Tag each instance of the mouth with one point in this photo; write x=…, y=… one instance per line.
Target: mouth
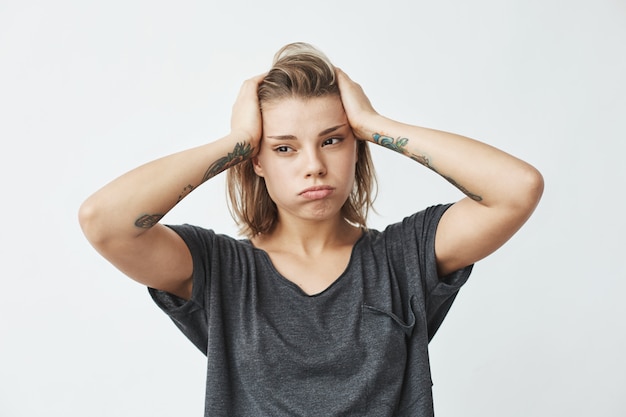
x=317, y=192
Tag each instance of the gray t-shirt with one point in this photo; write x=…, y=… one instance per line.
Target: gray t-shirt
x=359, y=348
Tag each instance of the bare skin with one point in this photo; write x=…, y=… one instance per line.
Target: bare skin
x=311, y=243
x=121, y=219
x=310, y=143
x=502, y=191
x=308, y=261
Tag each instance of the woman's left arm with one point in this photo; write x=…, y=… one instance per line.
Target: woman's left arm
x=501, y=190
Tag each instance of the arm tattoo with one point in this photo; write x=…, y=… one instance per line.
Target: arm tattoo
x=146, y=221
x=398, y=146
x=391, y=143
x=241, y=152
x=463, y=189
x=189, y=188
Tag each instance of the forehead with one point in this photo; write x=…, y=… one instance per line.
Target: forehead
x=297, y=115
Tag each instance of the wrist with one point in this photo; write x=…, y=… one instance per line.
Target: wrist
x=371, y=127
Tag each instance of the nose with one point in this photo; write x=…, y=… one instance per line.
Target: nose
x=315, y=166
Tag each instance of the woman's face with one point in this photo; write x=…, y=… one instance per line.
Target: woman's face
x=307, y=157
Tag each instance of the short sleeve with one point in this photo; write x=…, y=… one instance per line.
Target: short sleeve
x=439, y=292
x=190, y=315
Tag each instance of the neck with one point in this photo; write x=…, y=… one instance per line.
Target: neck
x=311, y=237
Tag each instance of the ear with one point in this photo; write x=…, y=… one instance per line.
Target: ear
x=257, y=166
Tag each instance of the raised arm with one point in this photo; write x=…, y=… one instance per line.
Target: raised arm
x=502, y=191
x=121, y=219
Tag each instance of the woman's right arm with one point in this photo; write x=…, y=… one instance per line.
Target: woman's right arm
x=121, y=220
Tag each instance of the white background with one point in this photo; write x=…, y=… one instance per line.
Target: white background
x=89, y=90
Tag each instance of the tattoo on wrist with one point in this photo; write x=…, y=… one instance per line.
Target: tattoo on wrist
x=399, y=144
x=146, y=221
x=189, y=188
x=391, y=143
x=240, y=152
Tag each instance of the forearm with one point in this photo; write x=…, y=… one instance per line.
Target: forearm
x=134, y=202
x=485, y=174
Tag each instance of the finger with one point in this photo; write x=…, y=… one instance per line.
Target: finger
x=251, y=85
x=257, y=79
x=341, y=76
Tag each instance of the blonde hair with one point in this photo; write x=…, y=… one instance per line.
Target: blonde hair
x=299, y=70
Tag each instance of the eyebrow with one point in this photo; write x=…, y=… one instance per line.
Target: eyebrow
x=322, y=133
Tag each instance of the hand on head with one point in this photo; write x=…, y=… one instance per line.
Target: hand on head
x=357, y=106
x=246, y=118
x=246, y=114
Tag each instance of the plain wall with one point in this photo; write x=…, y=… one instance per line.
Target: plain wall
x=89, y=90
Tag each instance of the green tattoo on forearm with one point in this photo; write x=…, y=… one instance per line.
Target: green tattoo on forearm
x=391, y=143
x=399, y=144
x=241, y=152
x=146, y=221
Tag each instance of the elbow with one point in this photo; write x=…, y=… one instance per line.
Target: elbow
x=535, y=185
x=90, y=221
x=530, y=186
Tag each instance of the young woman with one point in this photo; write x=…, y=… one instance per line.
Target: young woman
x=312, y=314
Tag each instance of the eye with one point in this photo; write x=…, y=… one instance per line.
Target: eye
x=331, y=141
x=283, y=149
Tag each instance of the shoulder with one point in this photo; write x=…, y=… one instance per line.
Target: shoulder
x=408, y=244
x=209, y=248
x=194, y=234
x=422, y=224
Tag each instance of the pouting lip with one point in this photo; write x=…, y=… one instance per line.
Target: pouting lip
x=317, y=188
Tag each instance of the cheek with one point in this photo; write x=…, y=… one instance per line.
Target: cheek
x=347, y=169
x=275, y=185
x=272, y=172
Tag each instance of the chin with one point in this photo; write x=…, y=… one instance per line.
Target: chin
x=323, y=210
